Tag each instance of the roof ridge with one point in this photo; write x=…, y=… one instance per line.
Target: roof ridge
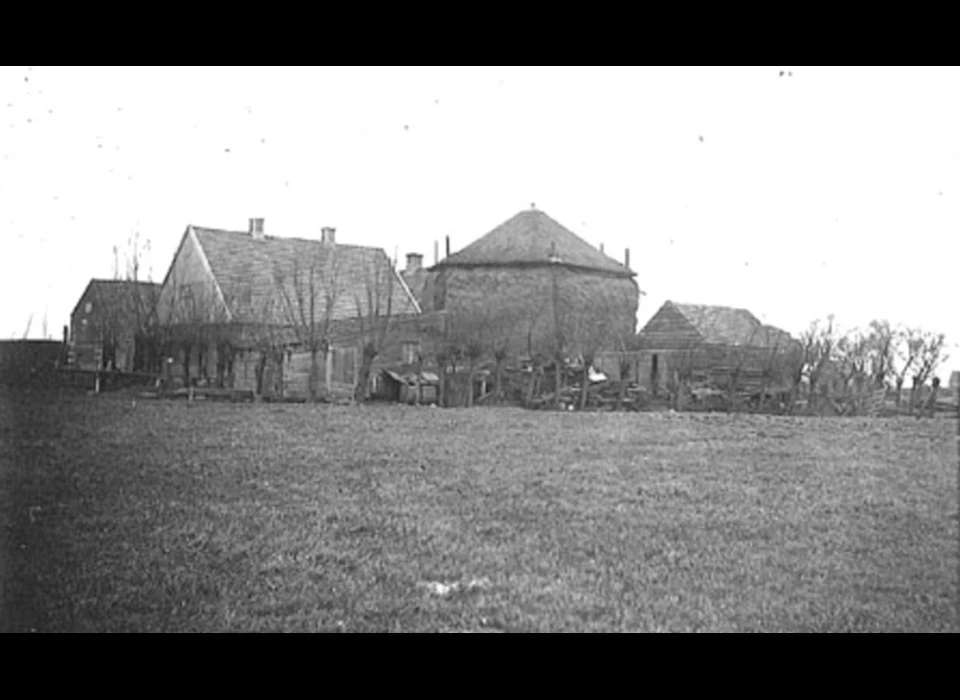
x=104, y=279
x=270, y=237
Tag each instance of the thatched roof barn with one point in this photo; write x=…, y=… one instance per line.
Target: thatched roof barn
x=106, y=322
x=530, y=281
x=704, y=342
x=231, y=298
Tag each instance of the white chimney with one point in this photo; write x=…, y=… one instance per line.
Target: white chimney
x=328, y=235
x=256, y=229
x=414, y=262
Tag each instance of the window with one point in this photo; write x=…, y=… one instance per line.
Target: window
x=410, y=351
x=89, y=307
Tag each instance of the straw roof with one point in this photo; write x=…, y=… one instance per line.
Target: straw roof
x=529, y=238
x=117, y=297
x=252, y=274
x=723, y=325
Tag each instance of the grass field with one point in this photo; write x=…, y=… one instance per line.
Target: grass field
x=164, y=516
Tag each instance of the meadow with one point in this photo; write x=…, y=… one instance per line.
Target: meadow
x=124, y=514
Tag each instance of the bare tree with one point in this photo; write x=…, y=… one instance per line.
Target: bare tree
x=465, y=339
x=907, y=343
x=473, y=343
x=533, y=318
x=268, y=338
x=852, y=358
x=593, y=331
x=930, y=355
x=818, y=343
x=308, y=294
x=499, y=342
x=625, y=346
x=881, y=341
x=375, y=318
x=140, y=305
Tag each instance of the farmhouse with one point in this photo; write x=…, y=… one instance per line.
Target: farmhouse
x=716, y=344
x=108, y=325
x=534, y=287
x=262, y=313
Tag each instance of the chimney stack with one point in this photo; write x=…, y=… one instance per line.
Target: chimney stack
x=414, y=262
x=436, y=252
x=256, y=229
x=448, y=246
x=328, y=235
x=626, y=258
x=601, y=247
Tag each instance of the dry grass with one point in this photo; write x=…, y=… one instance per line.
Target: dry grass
x=214, y=517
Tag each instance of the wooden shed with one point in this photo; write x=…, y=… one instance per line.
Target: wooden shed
x=712, y=344
x=108, y=326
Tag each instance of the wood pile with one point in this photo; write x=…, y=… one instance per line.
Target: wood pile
x=601, y=396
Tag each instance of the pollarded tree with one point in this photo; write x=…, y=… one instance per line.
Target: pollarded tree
x=852, y=354
x=624, y=347
x=375, y=318
x=907, y=343
x=593, y=330
x=931, y=354
x=818, y=343
x=881, y=341
x=308, y=293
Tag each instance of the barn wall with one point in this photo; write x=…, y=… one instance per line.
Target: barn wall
x=709, y=362
x=86, y=329
x=189, y=292
x=518, y=301
x=667, y=330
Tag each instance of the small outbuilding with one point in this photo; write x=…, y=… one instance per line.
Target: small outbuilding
x=109, y=326
x=713, y=344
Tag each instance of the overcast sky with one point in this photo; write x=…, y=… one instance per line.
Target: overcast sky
x=794, y=192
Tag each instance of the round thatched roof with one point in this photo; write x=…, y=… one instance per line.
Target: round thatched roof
x=533, y=238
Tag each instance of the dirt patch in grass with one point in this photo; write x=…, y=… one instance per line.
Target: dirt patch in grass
x=163, y=516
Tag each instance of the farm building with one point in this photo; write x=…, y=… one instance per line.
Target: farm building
x=244, y=309
x=531, y=285
x=108, y=326
x=714, y=344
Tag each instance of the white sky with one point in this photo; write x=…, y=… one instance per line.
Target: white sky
x=831, y=190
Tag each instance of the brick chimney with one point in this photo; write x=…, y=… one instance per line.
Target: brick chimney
x=626, y=258
x=328, y=235
x=414, y=263
x=256, y=229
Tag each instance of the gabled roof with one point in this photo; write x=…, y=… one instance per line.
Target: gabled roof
x=118, y=295
x=729, y=326
x=528, y=238
x=256, y=276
